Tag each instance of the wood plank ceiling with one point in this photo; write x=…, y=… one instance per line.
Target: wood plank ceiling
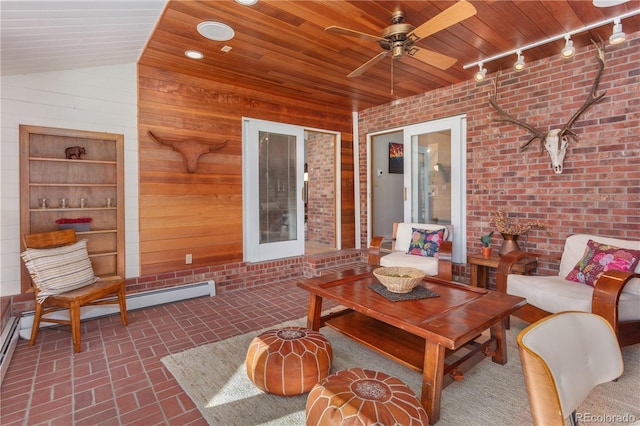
x=282, y=46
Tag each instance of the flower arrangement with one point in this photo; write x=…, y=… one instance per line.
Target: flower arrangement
x=78, y=220
x=506, y=225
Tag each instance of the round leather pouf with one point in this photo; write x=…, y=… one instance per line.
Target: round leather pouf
x=364, y=397
x=288, y=361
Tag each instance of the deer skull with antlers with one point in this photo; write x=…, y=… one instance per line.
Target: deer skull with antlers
x=555, y=141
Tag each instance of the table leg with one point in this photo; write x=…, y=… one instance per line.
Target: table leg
x=498, y=331
x=483, y=276
x=432, y=373
x=474, y=275
x=315, y=311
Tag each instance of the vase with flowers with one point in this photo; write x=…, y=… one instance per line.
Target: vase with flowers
x=486, y=248
x=512, y=228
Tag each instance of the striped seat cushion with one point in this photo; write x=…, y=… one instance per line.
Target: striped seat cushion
x=58, y=270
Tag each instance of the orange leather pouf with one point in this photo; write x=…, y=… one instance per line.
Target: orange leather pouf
x=363, y=397
x=288, y=361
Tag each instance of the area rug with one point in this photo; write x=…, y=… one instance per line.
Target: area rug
x=215, y=378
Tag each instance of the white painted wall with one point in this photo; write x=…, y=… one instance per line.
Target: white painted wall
x=100, y=99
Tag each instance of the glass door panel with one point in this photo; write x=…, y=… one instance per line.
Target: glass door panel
x=277, y=187
x=430, y=177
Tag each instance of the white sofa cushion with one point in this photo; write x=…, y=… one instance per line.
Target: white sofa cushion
x=555, y=294
x=575, y=246
x=397, y=258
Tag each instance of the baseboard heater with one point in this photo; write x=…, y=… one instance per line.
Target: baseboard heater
x=9, y=341
x=140, y=300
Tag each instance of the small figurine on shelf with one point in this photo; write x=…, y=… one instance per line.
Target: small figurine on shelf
x=486, y=248
x=75, y=152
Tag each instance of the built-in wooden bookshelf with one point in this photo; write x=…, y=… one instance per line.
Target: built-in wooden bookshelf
x=97, y=177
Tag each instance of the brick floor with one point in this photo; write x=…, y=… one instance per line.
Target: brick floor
x=118, y=378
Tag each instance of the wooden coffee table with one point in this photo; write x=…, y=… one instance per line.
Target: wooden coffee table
x=440, y=337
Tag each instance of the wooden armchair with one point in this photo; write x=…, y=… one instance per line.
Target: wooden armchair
x=441, y=266
x=615, y=295
x=90, y=294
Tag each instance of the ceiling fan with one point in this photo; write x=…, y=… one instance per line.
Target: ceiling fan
x=399, y=38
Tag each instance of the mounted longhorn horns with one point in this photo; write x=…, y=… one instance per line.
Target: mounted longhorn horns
x=190, y=150
x=555, y=141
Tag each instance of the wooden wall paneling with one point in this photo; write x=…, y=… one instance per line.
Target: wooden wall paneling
x=201, y=213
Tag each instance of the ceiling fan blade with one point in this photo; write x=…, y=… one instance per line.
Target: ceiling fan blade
x=352, y=33
x=456, y=13
x=436, y=59
x=368, y=64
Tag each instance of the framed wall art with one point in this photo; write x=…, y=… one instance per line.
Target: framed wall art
x=396, y=157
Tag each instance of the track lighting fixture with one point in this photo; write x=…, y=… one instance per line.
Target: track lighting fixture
x=618, y=35
x=481, y=73
x=568, y=50
x=519, y=65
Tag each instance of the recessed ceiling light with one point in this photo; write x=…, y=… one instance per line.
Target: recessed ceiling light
x=247, y=2
x=193, y=54
x=216, y=31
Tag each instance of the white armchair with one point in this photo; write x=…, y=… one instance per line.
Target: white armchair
x=439, y=265
x=615, y=295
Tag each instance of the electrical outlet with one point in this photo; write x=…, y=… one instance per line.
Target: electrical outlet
x=188, y=259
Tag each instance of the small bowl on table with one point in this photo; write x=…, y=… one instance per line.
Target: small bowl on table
x=399, y=279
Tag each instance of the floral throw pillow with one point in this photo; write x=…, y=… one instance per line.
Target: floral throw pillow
x=425, y=243
x=599, y=258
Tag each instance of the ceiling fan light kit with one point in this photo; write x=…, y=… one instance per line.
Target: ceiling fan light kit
x=568, y=51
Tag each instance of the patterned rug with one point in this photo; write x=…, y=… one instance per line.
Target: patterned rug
x=214, y=377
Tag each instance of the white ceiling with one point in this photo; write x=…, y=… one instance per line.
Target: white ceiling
x=52, y=35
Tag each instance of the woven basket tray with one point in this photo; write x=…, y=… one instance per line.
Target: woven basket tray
x=399, y=279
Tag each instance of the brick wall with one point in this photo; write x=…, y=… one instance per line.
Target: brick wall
x=321, y=227
x=599, y=189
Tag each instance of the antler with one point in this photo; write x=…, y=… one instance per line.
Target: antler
x=537, y=134
x=592, y=98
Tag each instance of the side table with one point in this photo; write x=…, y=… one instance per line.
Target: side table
x=480, y=267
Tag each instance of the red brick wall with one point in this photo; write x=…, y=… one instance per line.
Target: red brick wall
x=599, y=189
x=321, y=227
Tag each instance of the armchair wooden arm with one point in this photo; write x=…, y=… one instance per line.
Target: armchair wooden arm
x=445, y=267
x=509, y=259
x=604, y=302
x=374, y=250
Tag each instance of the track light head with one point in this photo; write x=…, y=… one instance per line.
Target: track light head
x=519, y=65
x=481, y=73
x=568, y=50
x=618, y=35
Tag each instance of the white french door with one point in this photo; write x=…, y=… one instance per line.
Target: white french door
x=434, y=176
x=273, y=214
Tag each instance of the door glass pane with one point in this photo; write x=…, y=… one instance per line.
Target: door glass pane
x=431, y=177
x=277, y=187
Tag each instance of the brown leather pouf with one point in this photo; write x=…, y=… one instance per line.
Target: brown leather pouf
x=363, y=397
x=288, y=361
